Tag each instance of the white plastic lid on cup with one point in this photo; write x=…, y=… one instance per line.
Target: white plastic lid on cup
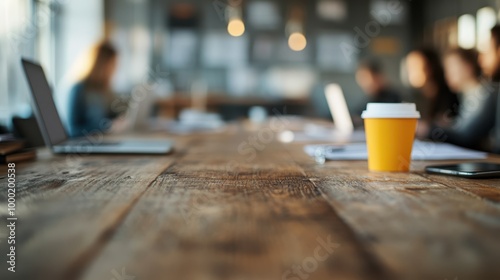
x=391, y=111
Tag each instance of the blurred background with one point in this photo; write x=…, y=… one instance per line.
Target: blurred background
x=234, y=53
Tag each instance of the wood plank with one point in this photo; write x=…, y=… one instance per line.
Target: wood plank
x=489, y=190
x=418, y=228
x=227, y=207
x=67, y=210
x=255, y=220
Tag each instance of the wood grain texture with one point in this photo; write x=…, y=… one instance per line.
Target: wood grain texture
x=224, y=206
x=66, y=210
x=253, y=220
x=488, y=190
x=419, y=229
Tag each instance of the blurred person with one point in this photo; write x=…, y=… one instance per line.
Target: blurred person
x=490, y=58
x=91, y=99
x=437, y=104
x=476, y=118
x=372, y=80
x=490, y=64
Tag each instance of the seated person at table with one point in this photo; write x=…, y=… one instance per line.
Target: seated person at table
x=372, y=80
x=490, y=64
x=370, y=77
x=90, y=108
x=476, y=119
x=437, y=104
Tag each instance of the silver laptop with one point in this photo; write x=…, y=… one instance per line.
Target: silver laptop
x=338, y=108
x=55, y=135
x=344, y=127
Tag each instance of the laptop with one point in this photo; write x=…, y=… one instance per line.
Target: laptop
x=55, y=135
x=339, y=110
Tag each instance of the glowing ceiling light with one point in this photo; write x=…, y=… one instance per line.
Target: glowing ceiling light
x=236, y=27
x=297, y=41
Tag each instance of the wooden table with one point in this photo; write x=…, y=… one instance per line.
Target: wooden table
x=213, y=211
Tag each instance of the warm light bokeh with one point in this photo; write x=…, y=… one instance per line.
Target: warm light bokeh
x=236, y=27
x=297, y=41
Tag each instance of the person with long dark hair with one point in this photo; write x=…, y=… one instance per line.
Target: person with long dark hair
x=473, y=125
x=490, y=64
x=91, y=99
x=437, y=104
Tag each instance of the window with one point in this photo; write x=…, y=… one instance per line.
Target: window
x=52, y=32
x=486, y=19
x=467, y=32
x=16, y=40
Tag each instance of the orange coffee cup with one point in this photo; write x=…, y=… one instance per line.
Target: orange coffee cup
x=390, y=132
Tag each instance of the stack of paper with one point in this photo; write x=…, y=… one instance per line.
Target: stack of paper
x=421, y=151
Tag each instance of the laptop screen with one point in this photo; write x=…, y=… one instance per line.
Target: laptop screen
x=48, y=118
x=338, y=108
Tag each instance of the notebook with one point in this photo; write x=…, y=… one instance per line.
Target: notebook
x=18, y=156
x=8, y=147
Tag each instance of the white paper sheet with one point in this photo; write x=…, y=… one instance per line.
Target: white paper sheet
x=421, y=151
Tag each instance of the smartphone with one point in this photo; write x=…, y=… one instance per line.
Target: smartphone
x=473, y=170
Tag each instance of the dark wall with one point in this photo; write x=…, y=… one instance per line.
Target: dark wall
x=431, y=11
x=439, y=9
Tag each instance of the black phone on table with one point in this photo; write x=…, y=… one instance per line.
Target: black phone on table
x=472, y=170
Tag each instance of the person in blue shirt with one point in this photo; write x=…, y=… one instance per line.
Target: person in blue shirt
x=91, y=102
